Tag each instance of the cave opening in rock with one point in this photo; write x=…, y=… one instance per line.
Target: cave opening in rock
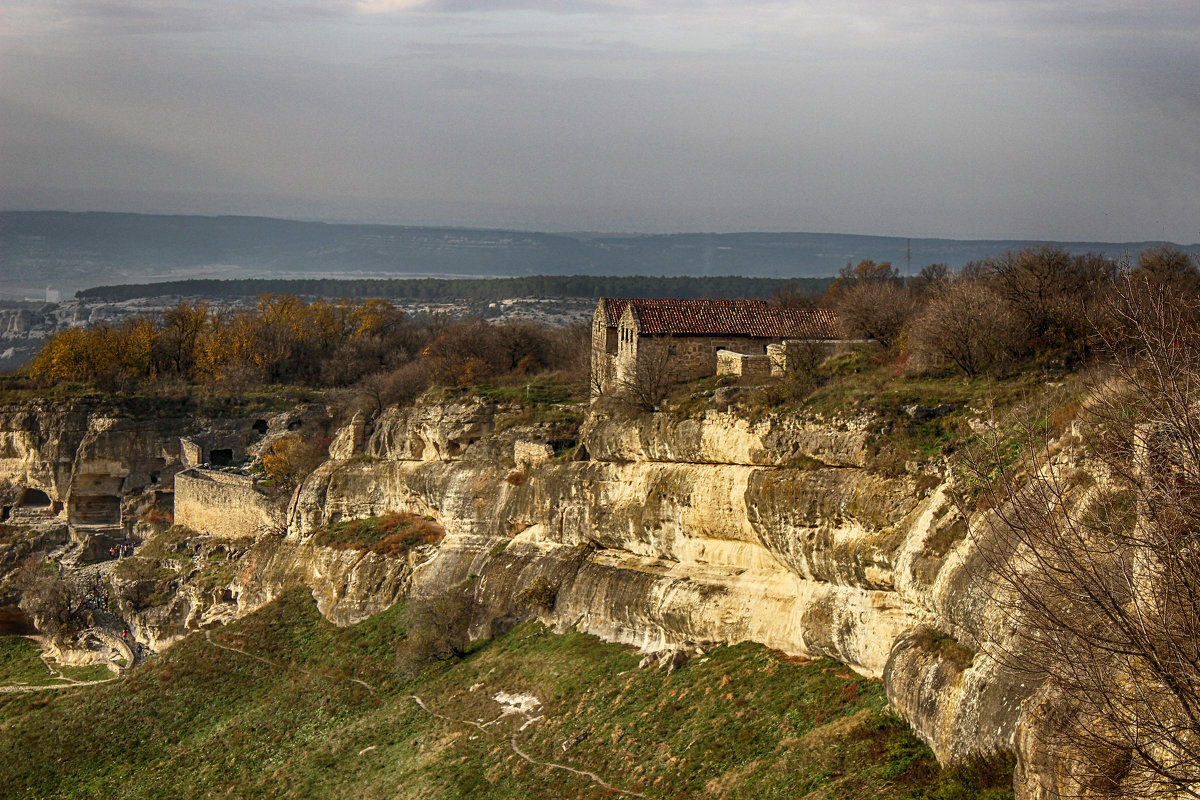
x=221, y=457
x=260, y=425
x=295, y=425
x=34, y=498
x=95, y=509
x=15, y=622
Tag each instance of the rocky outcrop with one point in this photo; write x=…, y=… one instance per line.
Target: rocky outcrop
x=706, y=529
x=79, y=464
x=725, y=438
x=658, y=531
x=221, y=580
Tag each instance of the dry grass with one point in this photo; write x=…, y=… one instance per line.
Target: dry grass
x=393, y=534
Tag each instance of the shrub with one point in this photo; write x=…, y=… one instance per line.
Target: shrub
x=288, y=460
x=402, y=385
x=392, y=534
x=437, y=629
x=873, y=310
x=156, y=516
x=540, y=593
x=965, y=323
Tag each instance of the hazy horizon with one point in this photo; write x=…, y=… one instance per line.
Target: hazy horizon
x=598, y=232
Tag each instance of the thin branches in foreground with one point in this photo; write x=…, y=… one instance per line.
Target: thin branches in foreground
x=1099, y=552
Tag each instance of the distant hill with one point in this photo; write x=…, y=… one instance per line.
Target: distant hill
x=71, y=251
x=468, y=291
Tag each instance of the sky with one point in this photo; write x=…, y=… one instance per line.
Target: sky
x=1019, y=119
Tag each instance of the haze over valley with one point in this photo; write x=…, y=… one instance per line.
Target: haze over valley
x=73, y=251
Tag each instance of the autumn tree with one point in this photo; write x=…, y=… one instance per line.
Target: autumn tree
x=178, y=338
x=931, y=276
x=378, y=390
x=280, y=333
x=873, y=310
x=1170, y=268
x=866, y=271
x=964, y=322
x=466, y=352
x=1053, y=294
x=48, y=599
x=437, y=628
x=322, y=343
x=290, y=459
x=792, y=296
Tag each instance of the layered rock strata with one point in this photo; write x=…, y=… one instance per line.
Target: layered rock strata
x=709, y=529
x=656, y=531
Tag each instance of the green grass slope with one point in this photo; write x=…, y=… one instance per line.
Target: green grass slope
x=21, y=666
x=301, y=709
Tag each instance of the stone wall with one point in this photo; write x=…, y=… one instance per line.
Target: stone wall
x=688, y=357
x=224, y=504
x=531, y=454
x=793, y=355
x=604, y=349
x=692, y=357
x=747, y=366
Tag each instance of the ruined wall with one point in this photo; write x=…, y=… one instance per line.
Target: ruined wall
x=742, y=365
x=92, y=465
x=683, y=358
x=792, y=355
x=531, y=454
x=603, y=353
x=225, y=504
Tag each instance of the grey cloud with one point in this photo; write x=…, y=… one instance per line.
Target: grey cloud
x=168, y=16
x=1012, y=118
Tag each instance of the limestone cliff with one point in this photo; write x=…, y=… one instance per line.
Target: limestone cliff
x=657, y=531
x=706, y=529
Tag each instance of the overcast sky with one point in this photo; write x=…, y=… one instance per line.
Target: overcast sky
x=1031, y=119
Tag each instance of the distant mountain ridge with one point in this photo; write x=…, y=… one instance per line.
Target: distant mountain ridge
x=75, y=250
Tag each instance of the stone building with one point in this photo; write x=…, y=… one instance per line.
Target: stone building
x=685, y=336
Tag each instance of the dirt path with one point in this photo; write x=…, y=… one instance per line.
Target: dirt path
x=230, y=648
x=512, y=742
x=71, y=685
x=209, y=639
x=67, y=683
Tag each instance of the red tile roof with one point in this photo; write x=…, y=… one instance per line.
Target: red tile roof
x=756, y=318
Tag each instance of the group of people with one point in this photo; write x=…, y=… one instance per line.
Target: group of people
x=120, y=550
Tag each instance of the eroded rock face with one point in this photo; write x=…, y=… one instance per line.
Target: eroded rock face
x=75, y=464
x=708, y=530
x=725, y=438
x=430, y=432
x=670, y=533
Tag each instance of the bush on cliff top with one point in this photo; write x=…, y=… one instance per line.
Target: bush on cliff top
x=392, y=534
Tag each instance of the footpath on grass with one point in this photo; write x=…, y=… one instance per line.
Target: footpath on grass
x=30, y=683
